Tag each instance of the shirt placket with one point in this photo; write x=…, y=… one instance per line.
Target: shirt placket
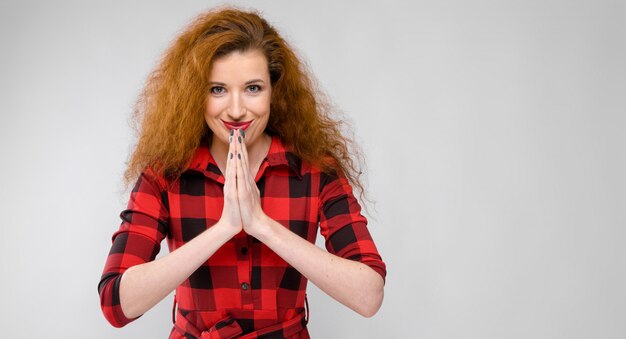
x=244, y=271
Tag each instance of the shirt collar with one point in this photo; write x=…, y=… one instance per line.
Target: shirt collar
x=278, y=155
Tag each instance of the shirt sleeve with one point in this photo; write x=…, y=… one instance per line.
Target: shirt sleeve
x=143, y=227
x=344, y=227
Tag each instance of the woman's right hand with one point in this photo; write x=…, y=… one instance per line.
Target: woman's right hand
x=143, y=286
x=231, y=215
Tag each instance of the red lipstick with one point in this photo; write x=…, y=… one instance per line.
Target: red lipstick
x=237, y=125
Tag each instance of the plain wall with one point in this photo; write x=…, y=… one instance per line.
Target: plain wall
x=493, y=132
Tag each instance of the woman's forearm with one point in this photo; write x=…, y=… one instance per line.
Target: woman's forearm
x=352, y=283
x=144, y=285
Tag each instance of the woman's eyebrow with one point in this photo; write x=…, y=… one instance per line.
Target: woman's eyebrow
x=247, y=82
x=253, y=81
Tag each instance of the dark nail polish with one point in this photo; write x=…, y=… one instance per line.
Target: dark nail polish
x=230, y=139
x=243, y=133
x=232, y=131
x=239, y=156
x=239, y=138
x=231, y=155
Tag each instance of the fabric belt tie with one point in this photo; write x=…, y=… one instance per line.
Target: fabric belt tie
x=228, y=328
x=223, y=329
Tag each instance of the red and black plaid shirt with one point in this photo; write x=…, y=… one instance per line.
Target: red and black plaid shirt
x=244, y=287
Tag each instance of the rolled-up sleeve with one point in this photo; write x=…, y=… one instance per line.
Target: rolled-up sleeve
x=344, y=227
x=143, y=227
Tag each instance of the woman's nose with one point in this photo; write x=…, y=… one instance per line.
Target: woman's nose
x=236, y=111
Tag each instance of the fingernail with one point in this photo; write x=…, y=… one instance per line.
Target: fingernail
x=232, y=131
x=231, y=155
x=239, y=156
x=230, y=139
x=239, y=138
x=243, y=133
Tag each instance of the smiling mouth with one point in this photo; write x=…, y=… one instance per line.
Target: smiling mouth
x=237, y=125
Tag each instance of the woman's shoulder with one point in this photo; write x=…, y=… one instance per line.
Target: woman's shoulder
x=281, y=152
x=154, y=177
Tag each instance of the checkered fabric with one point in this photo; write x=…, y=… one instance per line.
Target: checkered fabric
x=245, y=288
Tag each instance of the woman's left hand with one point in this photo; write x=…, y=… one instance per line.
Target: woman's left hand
x=252, y=214
x=334, y=275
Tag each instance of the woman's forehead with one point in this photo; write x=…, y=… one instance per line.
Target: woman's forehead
x=240, y=66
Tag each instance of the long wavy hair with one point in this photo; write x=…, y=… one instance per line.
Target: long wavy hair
x=169, y=113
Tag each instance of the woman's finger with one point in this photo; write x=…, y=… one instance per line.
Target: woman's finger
x=241, y=143
x=241, y=179
x=229, y=175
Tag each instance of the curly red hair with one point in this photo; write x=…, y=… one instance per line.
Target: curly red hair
x=170, y=109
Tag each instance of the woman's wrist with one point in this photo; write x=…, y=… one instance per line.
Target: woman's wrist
x=224, y=230
x=262, y=228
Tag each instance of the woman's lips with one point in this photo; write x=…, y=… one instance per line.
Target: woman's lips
x=237, y=125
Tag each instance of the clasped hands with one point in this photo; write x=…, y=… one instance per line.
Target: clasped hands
x=242, y=202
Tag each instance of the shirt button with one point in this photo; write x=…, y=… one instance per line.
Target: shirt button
x=245, y=286
x=244, y=250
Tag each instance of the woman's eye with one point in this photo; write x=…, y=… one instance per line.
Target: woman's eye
x=217, y=90
x=254, y=88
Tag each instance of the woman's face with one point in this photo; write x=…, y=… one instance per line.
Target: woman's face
x=239, y=96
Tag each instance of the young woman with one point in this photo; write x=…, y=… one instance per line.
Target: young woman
x=238, y=164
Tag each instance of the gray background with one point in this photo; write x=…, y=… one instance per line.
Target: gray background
x=493, y=131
